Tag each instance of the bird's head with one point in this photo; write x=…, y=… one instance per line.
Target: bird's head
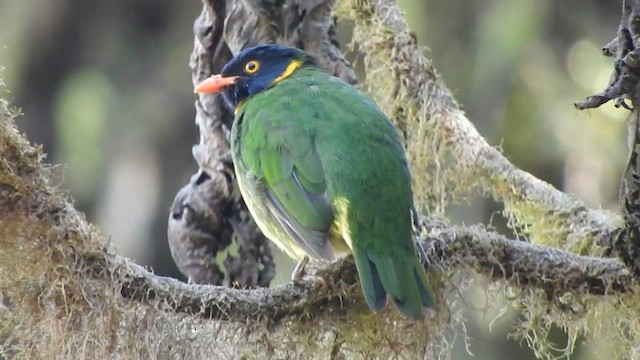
x=254, y=70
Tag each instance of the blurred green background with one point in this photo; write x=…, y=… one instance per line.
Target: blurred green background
x=105, y=88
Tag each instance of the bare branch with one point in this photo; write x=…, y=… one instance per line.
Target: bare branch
x=626, y=50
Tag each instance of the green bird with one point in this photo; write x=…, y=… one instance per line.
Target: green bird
x=323, y=171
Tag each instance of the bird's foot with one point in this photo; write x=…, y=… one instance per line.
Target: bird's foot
x=299, y=274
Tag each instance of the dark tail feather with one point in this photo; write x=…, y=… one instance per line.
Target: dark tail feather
x=418, y=295
x=374, y=293
x=426, y=294
x=403, y=279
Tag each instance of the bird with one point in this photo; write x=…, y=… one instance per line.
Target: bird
x=323, y=171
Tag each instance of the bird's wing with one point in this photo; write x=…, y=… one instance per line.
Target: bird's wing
x=295, y=188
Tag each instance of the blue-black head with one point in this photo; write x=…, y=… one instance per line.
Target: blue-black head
x=254, y=70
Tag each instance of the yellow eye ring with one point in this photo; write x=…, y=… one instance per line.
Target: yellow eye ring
x=252, y=67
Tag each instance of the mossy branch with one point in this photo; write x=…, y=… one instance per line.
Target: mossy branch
x=447, y=248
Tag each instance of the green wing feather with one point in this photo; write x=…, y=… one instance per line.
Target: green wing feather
x=294, y=187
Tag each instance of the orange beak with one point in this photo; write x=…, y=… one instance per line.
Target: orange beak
x=214, y=84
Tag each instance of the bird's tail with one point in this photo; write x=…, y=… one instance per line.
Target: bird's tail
x=401, y=277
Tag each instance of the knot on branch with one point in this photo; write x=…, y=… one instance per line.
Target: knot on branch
x=202, y=224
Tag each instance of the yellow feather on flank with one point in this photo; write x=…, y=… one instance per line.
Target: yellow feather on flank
x=293, y=66
x=339, y=234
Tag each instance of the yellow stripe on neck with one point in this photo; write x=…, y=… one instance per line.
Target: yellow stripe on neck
x=238, y=107
x=293, y=66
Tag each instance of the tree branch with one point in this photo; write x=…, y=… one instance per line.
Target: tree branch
x=624, y=83
x=207, y=215
x=626, y=50
x=448, y=248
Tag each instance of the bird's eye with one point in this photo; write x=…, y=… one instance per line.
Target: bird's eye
x=252, y=67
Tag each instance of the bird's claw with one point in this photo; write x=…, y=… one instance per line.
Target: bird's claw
x=299, y=275
x=298, y=271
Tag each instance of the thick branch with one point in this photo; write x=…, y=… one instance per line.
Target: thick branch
x=522, y=264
